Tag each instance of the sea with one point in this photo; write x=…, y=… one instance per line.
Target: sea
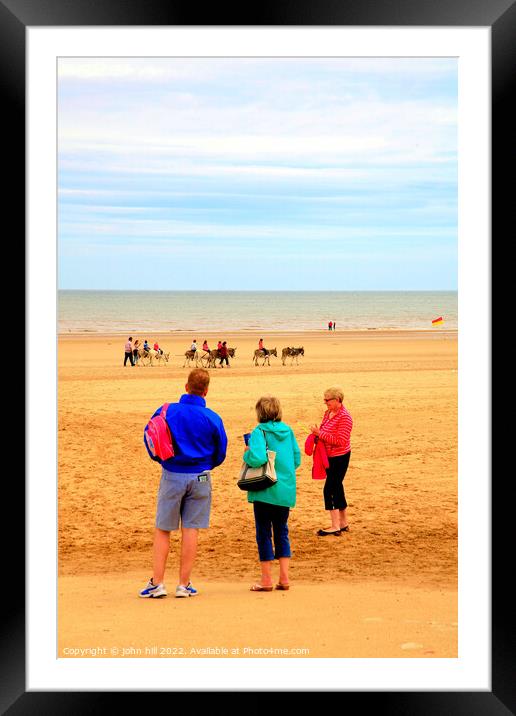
x=150, y=312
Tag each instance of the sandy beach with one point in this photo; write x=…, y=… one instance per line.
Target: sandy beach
x=391, y=582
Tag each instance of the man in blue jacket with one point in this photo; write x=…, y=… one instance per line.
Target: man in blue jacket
x=200, y=442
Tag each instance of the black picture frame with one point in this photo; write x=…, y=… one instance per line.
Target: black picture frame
x=500, y=16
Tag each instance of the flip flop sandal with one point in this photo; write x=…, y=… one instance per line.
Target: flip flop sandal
x=259, y=588
x=345, y=529
x=283, y=587
x=323, y=533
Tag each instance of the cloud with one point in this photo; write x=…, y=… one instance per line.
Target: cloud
x=160, y=155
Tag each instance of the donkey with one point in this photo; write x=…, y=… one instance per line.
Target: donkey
x=293, y=353
x=259, y=353
x=191, y=357
x=214, y=355
x=161, y=358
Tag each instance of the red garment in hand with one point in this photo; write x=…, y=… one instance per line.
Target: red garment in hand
x=315, y=447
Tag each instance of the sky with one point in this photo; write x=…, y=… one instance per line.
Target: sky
x=268, y=173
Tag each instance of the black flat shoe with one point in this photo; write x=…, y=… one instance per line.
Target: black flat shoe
x=323, y=533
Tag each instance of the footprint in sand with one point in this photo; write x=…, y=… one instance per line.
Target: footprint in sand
x=411, y=645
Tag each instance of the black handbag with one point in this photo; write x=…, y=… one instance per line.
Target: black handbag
x=258, y=478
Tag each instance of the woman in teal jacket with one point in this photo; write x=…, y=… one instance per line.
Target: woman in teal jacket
x=272, y=505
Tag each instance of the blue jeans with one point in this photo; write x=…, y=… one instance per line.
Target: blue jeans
x=271, y=519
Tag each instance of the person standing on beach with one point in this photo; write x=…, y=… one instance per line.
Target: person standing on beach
x=135, y=350
x=330, y=324
x=272, y=505
x=129, y=351
x=200, y=444
x=333, y=325
x=335, y=432
x=223, y=353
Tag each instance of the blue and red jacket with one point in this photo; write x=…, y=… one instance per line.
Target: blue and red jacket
x=198, y=436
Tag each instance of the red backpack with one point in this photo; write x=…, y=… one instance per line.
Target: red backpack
x=158, y=438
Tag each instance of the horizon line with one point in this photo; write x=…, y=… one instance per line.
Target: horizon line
x=264, y=290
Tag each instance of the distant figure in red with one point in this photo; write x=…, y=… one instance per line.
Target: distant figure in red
x=157, y=348
x=330, y=324
x=205, y=347
x=219, y=345
x=223, y=353
x=261, y=347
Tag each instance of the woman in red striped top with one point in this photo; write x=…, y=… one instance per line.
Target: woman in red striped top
x=335, y=432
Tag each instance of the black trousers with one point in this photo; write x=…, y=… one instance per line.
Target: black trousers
x=130, y=357
x=333, y=492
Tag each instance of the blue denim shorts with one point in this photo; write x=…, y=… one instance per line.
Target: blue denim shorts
x=184, y=497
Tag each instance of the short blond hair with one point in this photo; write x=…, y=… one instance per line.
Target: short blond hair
x=335, y=392
x=198, y=381
x=268, y=408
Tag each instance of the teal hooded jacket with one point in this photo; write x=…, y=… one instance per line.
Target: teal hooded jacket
x=280, y=438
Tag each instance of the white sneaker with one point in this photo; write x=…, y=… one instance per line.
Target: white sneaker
x=153, y=590
x=188, y=591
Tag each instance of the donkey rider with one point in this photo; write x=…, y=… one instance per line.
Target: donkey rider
x=262, y=348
